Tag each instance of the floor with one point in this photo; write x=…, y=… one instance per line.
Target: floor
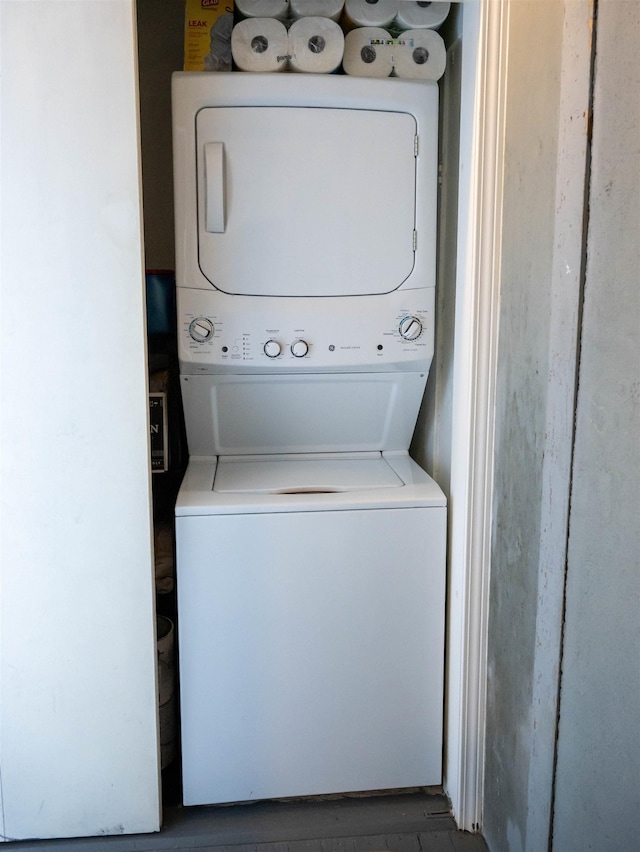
x=417, y=821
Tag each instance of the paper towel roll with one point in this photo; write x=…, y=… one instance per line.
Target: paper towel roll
x=260, y=44
x=369, y=13
x=419, y=55
x=415, y=15
x=263, y=9
x=316, y=45
x=367, y=53
x=316, y=9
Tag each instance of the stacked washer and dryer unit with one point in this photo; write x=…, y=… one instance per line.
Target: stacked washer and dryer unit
x=310, y=546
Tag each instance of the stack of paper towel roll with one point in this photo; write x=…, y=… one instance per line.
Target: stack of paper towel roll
x=415, y=54
x=290, y=9
x=278, y=9
x=394, y=15
x=311, y=44
x=383, y=37
x=394, y=38
x=288, y=35
x=390, y=14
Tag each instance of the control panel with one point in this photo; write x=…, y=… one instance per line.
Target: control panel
x=219, y=333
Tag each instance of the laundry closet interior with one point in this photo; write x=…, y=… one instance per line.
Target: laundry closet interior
x=360, y=631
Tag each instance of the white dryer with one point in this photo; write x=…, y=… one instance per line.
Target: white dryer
x=310, y=547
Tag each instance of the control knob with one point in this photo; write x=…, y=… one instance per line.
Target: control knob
x=201, y=329
x=299, y=348
x=272, y=348
x=410, y=328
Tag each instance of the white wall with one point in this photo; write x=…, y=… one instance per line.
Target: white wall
x=597, y=802
x=78, y=748
x=446, y=425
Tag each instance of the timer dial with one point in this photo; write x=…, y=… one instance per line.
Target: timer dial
x=272, y=349
x=299, y=348
x=201, y=329
x=410, y=328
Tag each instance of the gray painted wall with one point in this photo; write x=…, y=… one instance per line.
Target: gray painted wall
x=597, y=803
x=565, y=510
x=545, y=151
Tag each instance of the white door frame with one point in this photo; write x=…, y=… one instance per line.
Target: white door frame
x=476, y=334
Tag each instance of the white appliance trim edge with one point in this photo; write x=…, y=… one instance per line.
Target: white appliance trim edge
x=477, y=289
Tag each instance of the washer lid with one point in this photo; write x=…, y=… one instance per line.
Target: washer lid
x=312, y=474
x=306, y=201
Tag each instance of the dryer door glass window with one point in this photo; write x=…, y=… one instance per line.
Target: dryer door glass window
x=305, y=201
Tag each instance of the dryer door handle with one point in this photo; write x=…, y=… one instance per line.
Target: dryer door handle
x=214, y=187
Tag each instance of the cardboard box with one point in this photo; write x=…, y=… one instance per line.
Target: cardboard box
x=159, y=432
x=207, y=35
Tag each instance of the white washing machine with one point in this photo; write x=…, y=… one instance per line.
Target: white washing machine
x=310, y=546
